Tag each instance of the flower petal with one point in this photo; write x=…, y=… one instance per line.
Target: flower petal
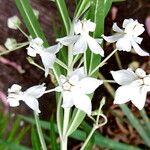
x=138, y=50
x=124, y=94
x=123, y=77
x=78, y=72
x=138, y=30
x=88, y=85
x=67, y=99
x=48, y=60
x=78, y=27
x=31, y=52
x=139, y=97
x=124, y=44
x=35, y=91
x=53, y=49
x=126, y=22
x=32, y=103
x=80, y=46
x=82, y=102
x=113, y=38
x=13, y=102
x=94, y=46
x=116, y=28
x=68, y=40
x=89, y=26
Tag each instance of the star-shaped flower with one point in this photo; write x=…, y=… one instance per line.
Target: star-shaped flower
x=30, y=96
x=128, y=37
x=75, y=90
x=48, y=55
x=134, y=86
x=82, y=40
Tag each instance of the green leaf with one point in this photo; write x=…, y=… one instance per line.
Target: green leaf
x=135, y=123
x=12, y=146
x=21, y=134
x=64, y=14
x=81, y=135
x=53, y=137
x=82, y=6
x=30, y=20
x=14, y=130
x=35, y=139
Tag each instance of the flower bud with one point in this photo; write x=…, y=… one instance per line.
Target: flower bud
x=13, y=22
x=10, y=43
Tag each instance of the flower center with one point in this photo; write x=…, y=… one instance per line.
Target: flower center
x=67, y=86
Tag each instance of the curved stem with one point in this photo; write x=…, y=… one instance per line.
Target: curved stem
x=39, y=130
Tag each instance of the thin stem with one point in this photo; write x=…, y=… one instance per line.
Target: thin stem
x=80, y=63
x=77, y=57
x=88, y=138
x=107, y=85
x=31, y=61
x=58, y=115
x=103, y=62
x=118, y=60
x=109, y=81
x=85, y=63
x=39, y=130
x=23, y=32
x=8, y=51
x=66, y=120
x=59, y=62
x=65, y=128
x=49, y=91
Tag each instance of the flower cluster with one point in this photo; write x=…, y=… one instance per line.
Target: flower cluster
x=134, y=86
x=76, y=86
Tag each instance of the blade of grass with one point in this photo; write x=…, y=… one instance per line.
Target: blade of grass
x=81, y=135
x=12, y=146
x=53, y=137
x=35, y=139
x=146, y=120
x=81, y=7
x=30, y=20
x=21, y=134
x=64, y=14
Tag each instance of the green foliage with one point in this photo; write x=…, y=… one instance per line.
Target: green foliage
x=81, y=135
x=10, y=140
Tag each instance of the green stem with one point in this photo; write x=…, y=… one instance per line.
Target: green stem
x=23, y=32
x=59, y=62
x=59, y=122
x=118, y=60
x=103, y=62
x=39, y=130
x=85, y=63
x=8, y=51
x=88, y=138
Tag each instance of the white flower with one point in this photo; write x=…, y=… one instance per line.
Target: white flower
x=47, y=54
x=29, y=96
x=128, y=37
x=10, y=43
x=134, y=86
x=75, y=90
x=82, y=40
x=13, y=22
